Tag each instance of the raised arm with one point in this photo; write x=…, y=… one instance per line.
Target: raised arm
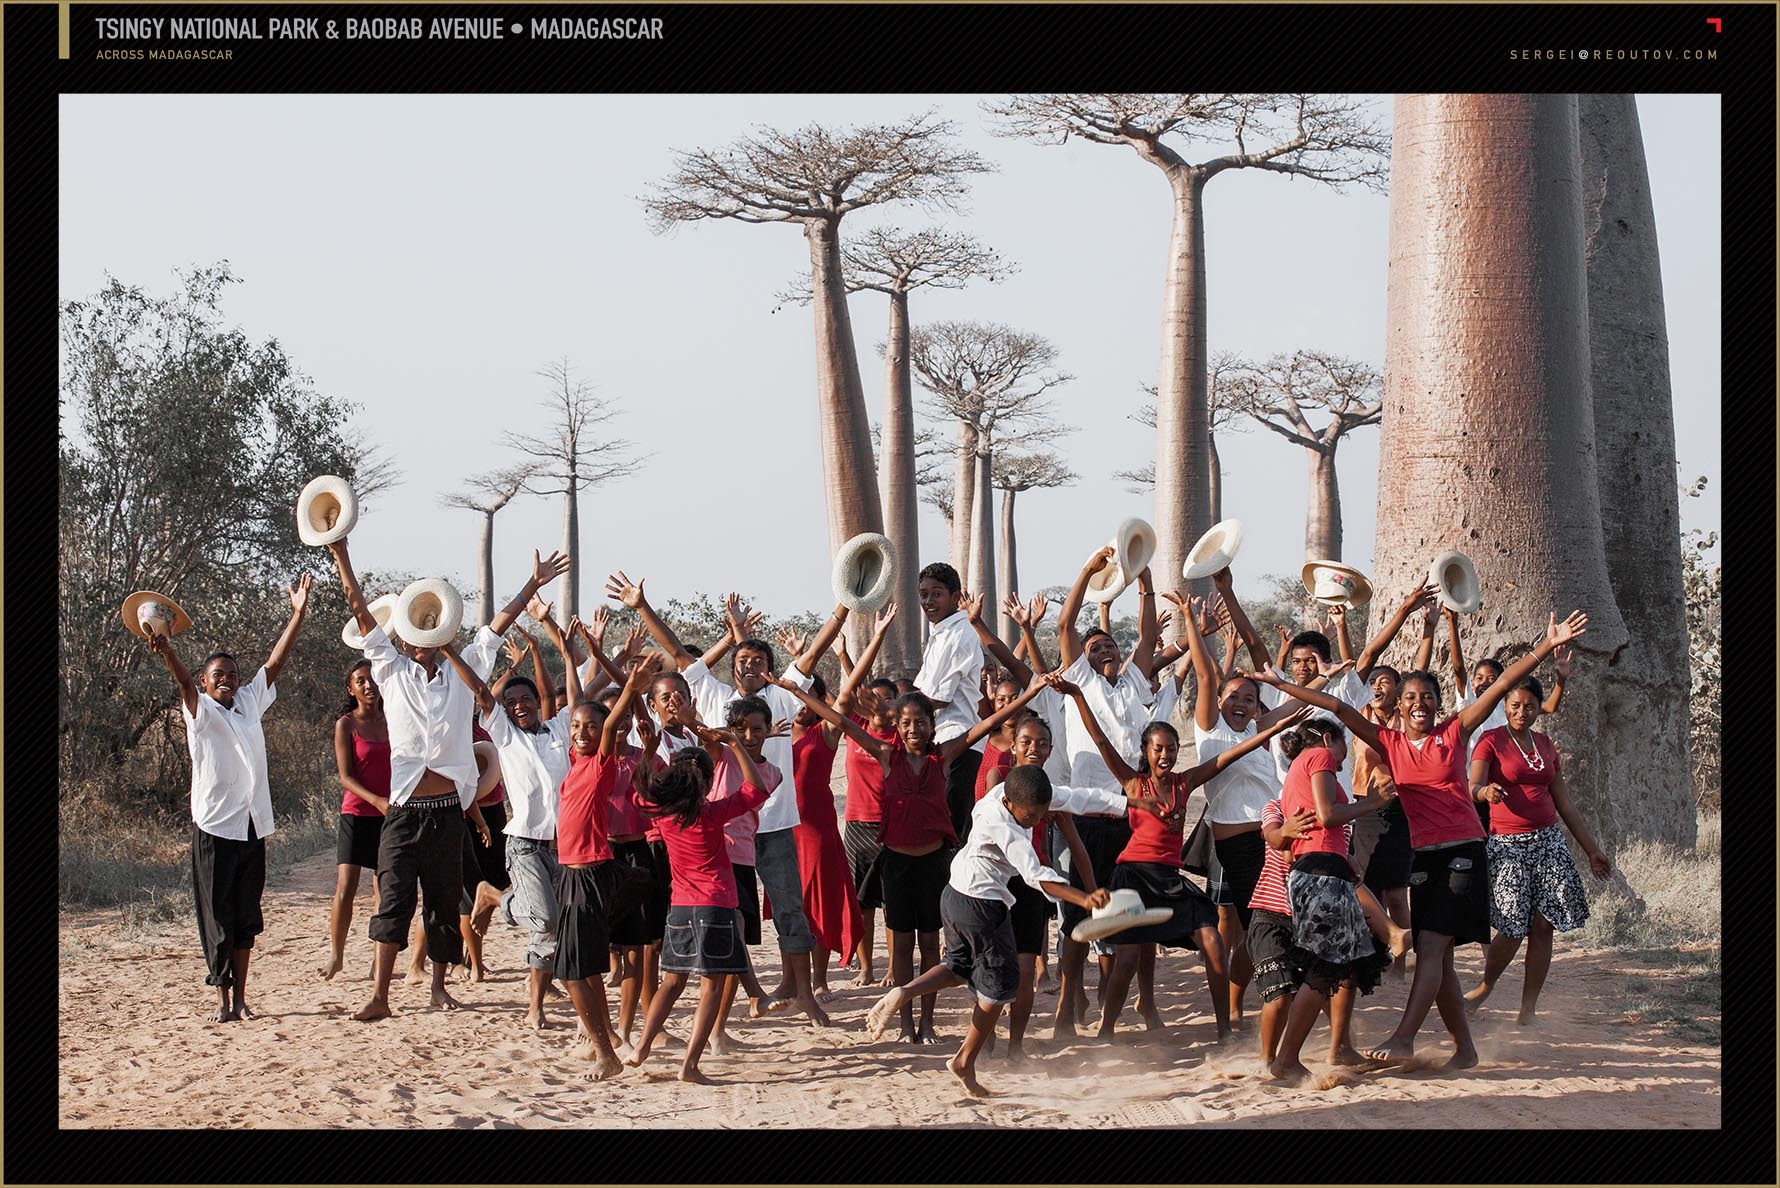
x=571, y=678
x=1338, y=628
x=1144, y=650
x=1211, y=767
x=1257, y=647
x=1115, y=763
x=954, y=747
x=1069, y=639
x=161, y=646
x=1028, y=619
x=544, y=571
x=1461, y=684
x=1348, y=716
x=1556, y=636
x=973, y=608
x=1205, y=701
x=477, y=686
x=831, y=630
x=1375, y=647
x=620, y=588
x=1560, y=662
x=1424, y=649
x=594, y=637
x=860, y=673
x=299, y=606
x=634, y=684
x=547, y=706
x=877, y=748
x=355, y=597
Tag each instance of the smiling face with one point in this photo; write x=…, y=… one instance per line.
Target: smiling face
x=752, y=730
x=751, y=668
x=584, y=728
x=1103, y=656
x=1238, y=702
x=1419, y=701
x=914, y=726
x=1161, y=751
x=522, y=706
x=670, y=700
x=1484, y=675
x=1523, y=710
x=221, y=678
x=1302, y=664
x=1385, y=687
x=937, y=602
x=1032, y=743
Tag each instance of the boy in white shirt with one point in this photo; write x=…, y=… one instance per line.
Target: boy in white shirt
x=231, y=802
x=979, y=931
x=951, y=677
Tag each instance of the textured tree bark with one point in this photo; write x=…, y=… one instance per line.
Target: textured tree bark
x=569, y=605
x=1488, y=434
x=1215, y=477
x=1010, y=572
x=1322, y=513
x=964, y=499
x=485, y=573
x=850, y=474
x=982, y=523
x=1183, y=411
x=1645, y=708
x=901, y=653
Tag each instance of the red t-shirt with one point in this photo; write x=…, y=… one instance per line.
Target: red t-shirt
x=865, y=776
x=581, y=836
x=1152, y=840
x=623, y=817
x=1431, y=784
x=1529, y=805
x=994, y=759
x=370, y=764
x=915, y=812
x=1297, y=797
x=1270, y=888
x=697, y=857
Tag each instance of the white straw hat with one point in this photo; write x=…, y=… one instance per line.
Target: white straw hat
x=428, y=612
x=1125, y=910
x=326, y=510
x=146, y=611
x=488, y=767
x=382, y=609
x=864, y=570
x=1134, y=543
x=1336, y=584
x=1215, y=550
x=1456, y=576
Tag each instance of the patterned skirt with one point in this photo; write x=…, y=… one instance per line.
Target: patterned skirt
x=1331, y=942
x=1534, y=872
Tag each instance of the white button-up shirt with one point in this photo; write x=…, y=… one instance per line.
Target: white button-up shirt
x=1236, y=795
x=1120, y=707
x=711, y=695
x=533, y=767
x=228, y=750
x=1049, y=705
x=1498, y=717
x=952, y=672
x=1347, y=687
x=999, y=847
x=429, y=719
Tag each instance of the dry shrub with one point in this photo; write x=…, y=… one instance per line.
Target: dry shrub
x=1677, y=891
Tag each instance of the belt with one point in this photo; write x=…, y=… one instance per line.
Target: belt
x=434, y=802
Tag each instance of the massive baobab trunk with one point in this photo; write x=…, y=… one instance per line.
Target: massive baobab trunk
x=1645, y=707
x=964, y=499
x=1010, y=571
x=1215, y=475
x=485, y=572
x=1183, y=413
x=1488, y=427
x=571, y=546
x=1322, y=512
x=981, y=579
x=901, y=653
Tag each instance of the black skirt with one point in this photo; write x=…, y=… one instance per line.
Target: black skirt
x=1164, y=886
x=1449, y=893
x=355, y=841
x=635, y=888
x=582, y=940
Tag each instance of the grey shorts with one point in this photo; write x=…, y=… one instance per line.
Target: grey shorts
x=775, y=864
x=529, y=902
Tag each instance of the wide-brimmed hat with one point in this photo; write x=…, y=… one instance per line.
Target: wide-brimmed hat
x=1456, y=576
x=864, y=571
x=428, y=612
x=488, y=767
x=1336, y=584
x=326, y=510
x=1125, y=910
x=1134, y=543
x=146, y=611
x=1215, y=550
x=382, y=609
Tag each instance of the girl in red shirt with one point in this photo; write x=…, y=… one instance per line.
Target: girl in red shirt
x=1150, y=861
x=1451, y=901
x=361, y=755
x=917, y=830
x=1534, y=888
x=865, y=788
x=828, y=896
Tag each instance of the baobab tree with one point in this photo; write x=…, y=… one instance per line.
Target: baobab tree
x=1012, y=474
x=990, y=380
x=1333, y=140
x=488, y=493
x=813, y=178
x=572, y=455
x=1281, y=394
x=1634, y=456
x=895, y=262
x=1223, y=418
x=1488, y=439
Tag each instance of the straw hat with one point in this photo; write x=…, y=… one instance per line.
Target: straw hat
x=1215, y=550
x=488, y=767
x=1456, y=576
x=326, y=510
x=1134, y=543
x=1126, y=910
x=381, y=609
x=146, y=611
x=428, y=612
x=864, y=570
x=1336, y=584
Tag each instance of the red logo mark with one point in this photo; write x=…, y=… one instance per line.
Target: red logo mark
x=1717, y=24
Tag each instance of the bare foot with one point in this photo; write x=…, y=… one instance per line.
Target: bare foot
x=1152, y=1020
x=1526, y=1017
x=1392, y=1053
x=330, y=965
x=635, y=1059
x=1063, y=1033
x=1401, y=940
x=1289, y=1071
x=1238, y=1024
x=442, y=1000
x=877, y=1020
x=1464, y=1058
x=477, y=972
x=1476, y=997
x=818, y=1017
x=725, y=1044
x=1347, y=1056
x=488, y=898
x=536, y=1020
x=693, y=1077
x=606, y=1065
x=1016, y=1053
x=967, y=1077
x=925, y=1035
x=223, y=1014
x=553, y=992
x=885, y=982
x=377, y=1008
x=418, y=976
x=243, y=1011
x=1048, y=984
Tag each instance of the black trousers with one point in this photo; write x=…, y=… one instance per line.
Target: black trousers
x=961, y=791
x=422, y=851
x=228, y=878
x=491, y=859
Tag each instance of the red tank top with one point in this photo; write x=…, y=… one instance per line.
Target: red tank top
x=370, y=765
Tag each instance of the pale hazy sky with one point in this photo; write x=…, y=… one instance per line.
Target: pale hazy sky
x=424, y=255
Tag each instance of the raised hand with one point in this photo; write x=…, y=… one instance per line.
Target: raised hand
x=575, y=624
x=515, y=651
x=972, y=606
x=1101, y=556
x=1162, y=621
x=751, y=621
x=620, y=589
x=885, y=617
x=299, y=594
x=1010, y=606
x=1561, y=659
x=780, y=729
x=1037, y=608
x=539, y=610
x=734, y=614
x=1331, y=670
x=157, y=643
x=1285, y=633
x=1057, y=681
x=634, y=643
x=595, y=627
x=1573, y=627
x=1338, y=616
x=792, y=640
x=547, y=569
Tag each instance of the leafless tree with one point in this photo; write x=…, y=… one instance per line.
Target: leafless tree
x=570, y=456
x=1014, y=473
x=814, y=177
x=488, y=493
x=1329, y=139
x=1490, y=443
x=990, y=380
x=1282, y=394
x=1223, y=419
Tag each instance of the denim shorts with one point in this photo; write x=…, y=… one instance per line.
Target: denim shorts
x=775, y=864
x=703, y=941
x=530, y=901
